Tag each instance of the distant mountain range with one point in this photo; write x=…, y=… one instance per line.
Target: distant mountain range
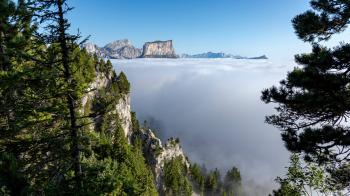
x=220, y=55
x=123, y=49
x=120, y=49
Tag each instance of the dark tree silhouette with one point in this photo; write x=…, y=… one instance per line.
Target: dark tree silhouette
x=313, y=102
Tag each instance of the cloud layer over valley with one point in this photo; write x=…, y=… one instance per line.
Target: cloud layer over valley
x=214, y=107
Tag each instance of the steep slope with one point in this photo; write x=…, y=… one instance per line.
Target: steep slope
x=92, y=48
x=120, y=49
x=115, y=45
x=155, y=153
x=123, y=49
x=159, y=49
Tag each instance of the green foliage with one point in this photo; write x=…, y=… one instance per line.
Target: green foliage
x=134, y=177
x=175, y=177
x=158, y=151
x=327, y=18
x=174, y=141
x=103, y=67
x=119, y=167
x=313, y=101
x=15, y=31
x=213, y=183
x=11, y=182
x=123, y=83
x=285, y=190
x=101, y=176
x=233, y=182
x=303, y=179
x=39, y=76
x=84, y=66
x=135, y=122
x=197, y=177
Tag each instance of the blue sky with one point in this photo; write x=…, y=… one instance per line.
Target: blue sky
x=243, y=27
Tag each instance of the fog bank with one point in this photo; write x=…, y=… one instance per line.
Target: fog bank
x=214, y=107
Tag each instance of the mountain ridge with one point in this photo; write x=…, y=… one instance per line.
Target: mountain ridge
x=220, y=55
x=123, y=49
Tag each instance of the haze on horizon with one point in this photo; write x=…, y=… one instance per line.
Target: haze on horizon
x=243, y=27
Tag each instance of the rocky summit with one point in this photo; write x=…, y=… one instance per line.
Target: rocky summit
x=120, y=49
x=123, y=49
x=159, y=49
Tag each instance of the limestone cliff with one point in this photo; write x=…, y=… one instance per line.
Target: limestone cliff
x=123, y=49
x=126, y=52
x=120, y=49
x=155, y=153
x=94, y=49
x=159, y=49
x=122, y=108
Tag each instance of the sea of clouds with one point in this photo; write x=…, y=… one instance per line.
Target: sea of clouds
x=214, y=107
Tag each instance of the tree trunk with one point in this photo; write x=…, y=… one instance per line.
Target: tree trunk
x=3, y=57
x=70, y=98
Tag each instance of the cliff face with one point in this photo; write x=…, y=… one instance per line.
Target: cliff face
x=120, y=49
x=126, y=52
x=123, y=49
x=113, y=46
x=122, y=108
x=159, y=49
x=94, y=49
x=155, y=153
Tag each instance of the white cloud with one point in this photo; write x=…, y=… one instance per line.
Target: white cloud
x=214, y=106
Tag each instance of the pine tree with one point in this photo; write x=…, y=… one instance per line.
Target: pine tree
x=7, y=10
x=175, y=177
x=15, y=31
x=313, y=101
x=63, y=46
x=46, y=145
x=35, y=105
x=233, y=182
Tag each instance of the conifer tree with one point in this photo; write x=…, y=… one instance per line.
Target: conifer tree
x=63, y=45
x=46, y=147
x=313, y=101
x=233, y=182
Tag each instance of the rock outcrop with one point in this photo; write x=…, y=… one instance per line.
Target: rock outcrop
x=120, y=49
x=157, y=154
x=123, y=49
x=123, y=106
x=159, y=49
x=115, y=45
x=94, y=49
x=126, y=52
